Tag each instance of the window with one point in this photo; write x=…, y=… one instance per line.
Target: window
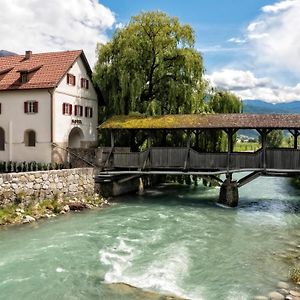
x=71, y=79
x=78, y=110
x=24, y=77
x=88, y=112
x=30, y=138
x=84, y=83
x=31, y=107
x=67, y=109
x=2, y=139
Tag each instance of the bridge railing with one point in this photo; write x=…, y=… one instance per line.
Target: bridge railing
x=283, y=159
x=185, y=158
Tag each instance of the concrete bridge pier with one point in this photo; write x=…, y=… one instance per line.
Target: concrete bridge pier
x=229, y=193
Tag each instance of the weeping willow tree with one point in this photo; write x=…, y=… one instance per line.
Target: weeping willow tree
x=151, y=67
x=220, y=102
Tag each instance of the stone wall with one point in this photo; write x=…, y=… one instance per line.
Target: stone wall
x=35, y=186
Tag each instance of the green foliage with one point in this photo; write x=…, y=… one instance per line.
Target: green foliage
x=151, y=67
x=7, y=214
x=294, y=274
x=225, y=102
x=275, y=138
x=221, y=102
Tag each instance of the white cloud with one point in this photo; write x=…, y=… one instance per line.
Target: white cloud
x=247, y=86
x=279, y=6
x=274, y=37
x=54, y=25
x=217, y=48
x=237, y=40
x=119, y=25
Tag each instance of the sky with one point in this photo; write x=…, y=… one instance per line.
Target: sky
x=250, y=47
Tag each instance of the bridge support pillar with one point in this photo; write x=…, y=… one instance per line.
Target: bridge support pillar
x=229, y=193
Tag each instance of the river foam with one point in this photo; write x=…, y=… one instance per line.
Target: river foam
x=164, y=274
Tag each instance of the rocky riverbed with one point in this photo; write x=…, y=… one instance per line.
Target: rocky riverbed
x=289, y=289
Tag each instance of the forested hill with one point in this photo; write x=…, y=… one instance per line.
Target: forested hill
x=261, y=107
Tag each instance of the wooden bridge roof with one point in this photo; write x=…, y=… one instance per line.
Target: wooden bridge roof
x=205, y=121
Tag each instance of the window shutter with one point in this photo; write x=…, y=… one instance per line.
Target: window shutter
x=81, y=111
x=26, y=107
x=74, y=80
x=76, y=110
x=64, y=108
x=68, y=78
x=70, y=110
x=35, y=107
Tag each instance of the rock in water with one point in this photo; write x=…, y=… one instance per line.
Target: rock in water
x=275, y=296
x=137, y=293
x=76, y=206
x=261, y=298
x=295, y=293
x=28, y=219
x=283, y=285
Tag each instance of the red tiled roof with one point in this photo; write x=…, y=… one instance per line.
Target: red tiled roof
x=45, y=69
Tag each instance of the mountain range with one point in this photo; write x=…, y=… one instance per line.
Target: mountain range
x=262, y=107
x=6, y=53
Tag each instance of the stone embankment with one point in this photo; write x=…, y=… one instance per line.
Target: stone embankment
x=290, y=288
x=26, y=197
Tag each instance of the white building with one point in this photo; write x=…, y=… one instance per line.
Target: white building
x=46, y=99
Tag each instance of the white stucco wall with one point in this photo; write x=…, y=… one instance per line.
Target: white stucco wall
x=75, y=95
x=15, y=122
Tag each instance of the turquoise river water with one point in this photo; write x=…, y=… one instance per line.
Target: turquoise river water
x=173, y=239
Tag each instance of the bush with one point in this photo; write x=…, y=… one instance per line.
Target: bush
x=12, y=167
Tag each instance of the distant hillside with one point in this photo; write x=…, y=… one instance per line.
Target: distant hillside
x=261, y=107
x=6, y=53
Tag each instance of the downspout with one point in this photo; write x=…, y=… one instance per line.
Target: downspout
x=51, y=92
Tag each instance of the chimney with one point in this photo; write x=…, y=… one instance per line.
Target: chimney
x=28, y=54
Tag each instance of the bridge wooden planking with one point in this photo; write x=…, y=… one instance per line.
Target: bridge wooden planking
x=172, y=158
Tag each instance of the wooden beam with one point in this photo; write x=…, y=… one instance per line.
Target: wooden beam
x=295, y=134
x=112, y=138
x=188, y=151
x=248, y=178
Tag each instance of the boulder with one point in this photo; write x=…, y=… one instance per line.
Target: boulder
x=76, y=206
x=261, y=298
x=295, y=293
x=283, y=285
x=28, y=219
x=66, y=208
x=275, y=296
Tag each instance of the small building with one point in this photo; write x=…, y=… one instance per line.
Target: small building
x=47, y=104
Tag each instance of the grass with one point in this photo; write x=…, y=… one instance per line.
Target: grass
x=246, y=146
x=8, y=214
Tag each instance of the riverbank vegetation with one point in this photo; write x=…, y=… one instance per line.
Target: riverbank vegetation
x=21, y=212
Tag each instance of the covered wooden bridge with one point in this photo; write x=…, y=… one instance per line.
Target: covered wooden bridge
x=187, y=160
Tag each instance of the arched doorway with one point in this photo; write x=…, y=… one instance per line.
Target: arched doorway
x=75, y=138
x=2, y=139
